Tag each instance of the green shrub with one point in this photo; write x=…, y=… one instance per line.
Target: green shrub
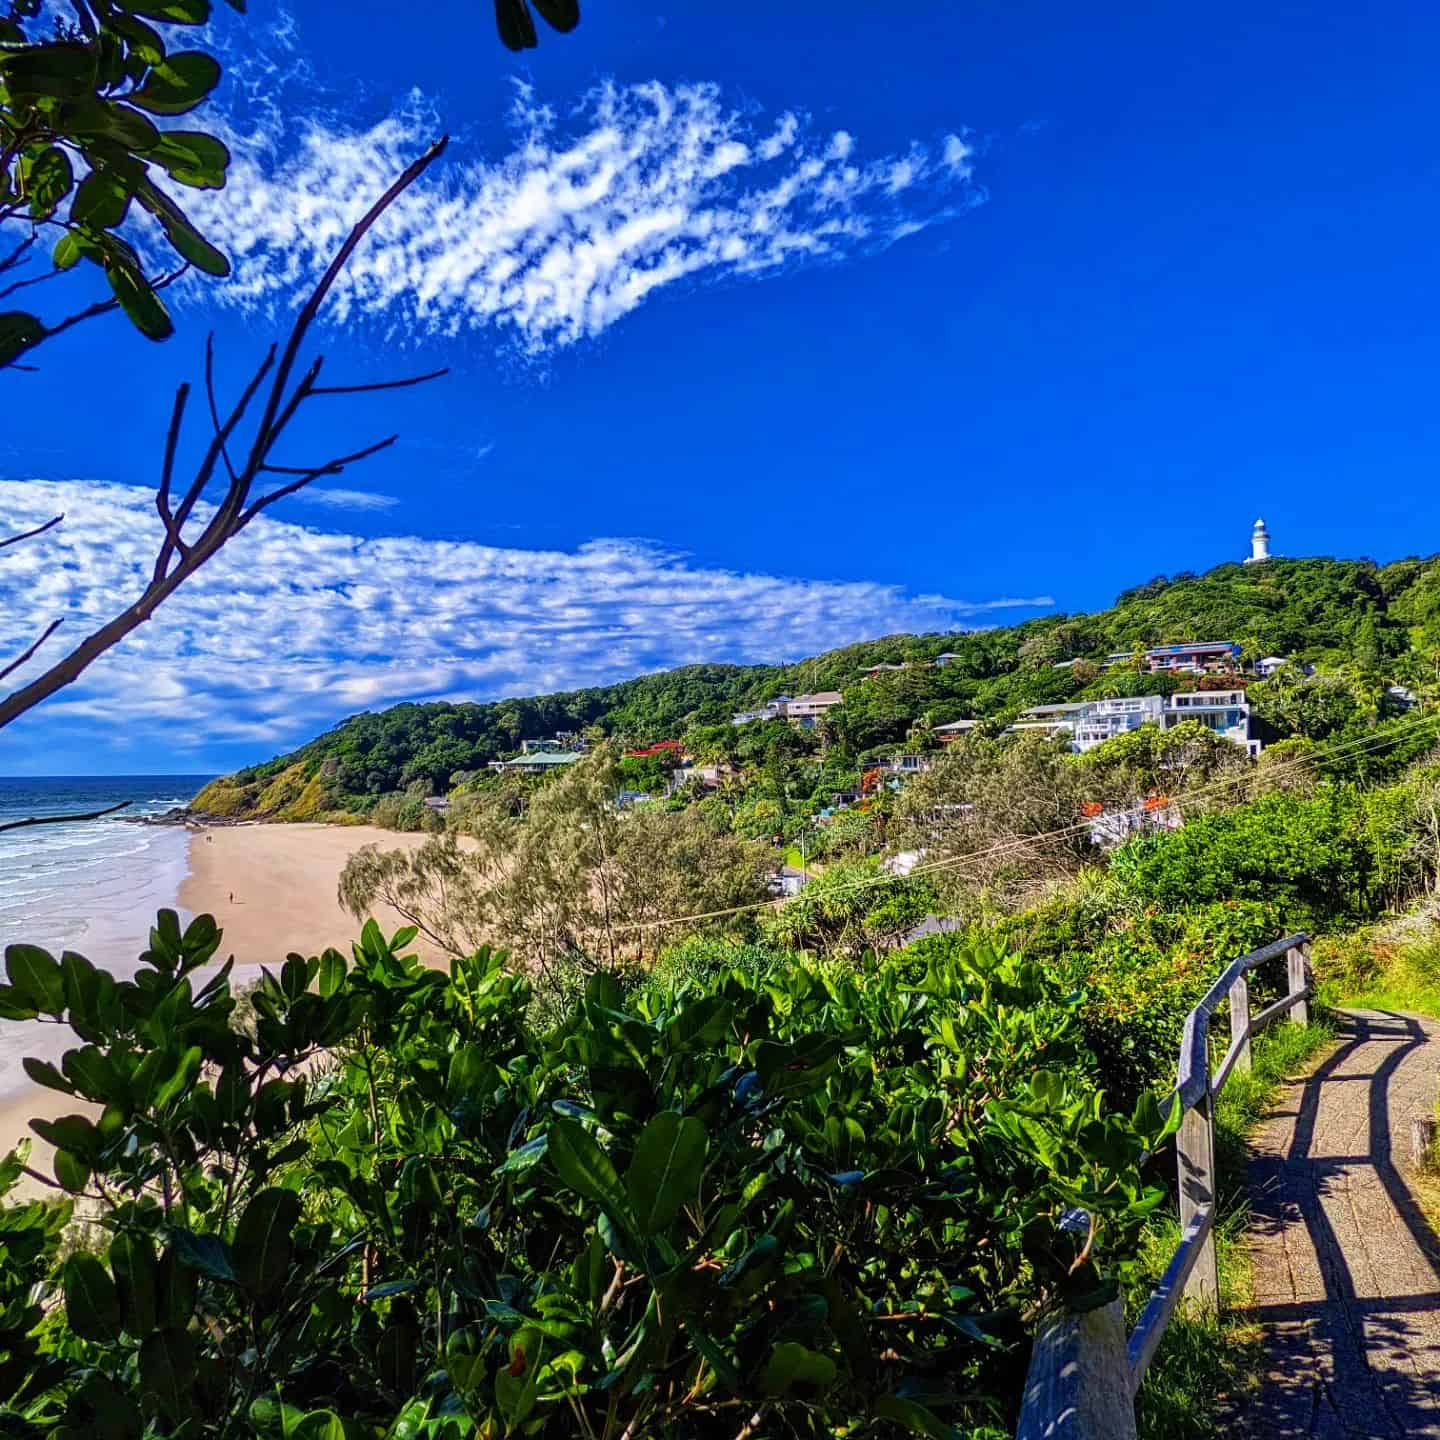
x=705, y=958
x=1136, y=973
x=829, y=1200
x=1319, y=858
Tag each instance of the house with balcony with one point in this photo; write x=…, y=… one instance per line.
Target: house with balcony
x=954, y=730
x=1192, y=657
x=1226, y=712
x=770, y=710
x=1103, y=720
x=1089, y=723
x=1051, y=719
x=806, y=710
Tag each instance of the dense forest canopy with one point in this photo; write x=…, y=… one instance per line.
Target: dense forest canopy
x=1345, y=617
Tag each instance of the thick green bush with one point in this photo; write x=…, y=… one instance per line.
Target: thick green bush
x=1135, y=971
x=812, y=1202
x=1318, y=857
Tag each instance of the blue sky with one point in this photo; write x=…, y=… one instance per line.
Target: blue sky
x=770, y=329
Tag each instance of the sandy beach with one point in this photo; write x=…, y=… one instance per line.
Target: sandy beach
x=272, y=890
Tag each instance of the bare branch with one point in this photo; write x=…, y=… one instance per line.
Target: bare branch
x=63, y=819
x=311, y=308
x=39, y=279
x=20, y=254
x=20, y=659
x=233, y=512
x=378, y=385
x=334, y=467
x=214, y=408
x=31, y=534
x=172, y=541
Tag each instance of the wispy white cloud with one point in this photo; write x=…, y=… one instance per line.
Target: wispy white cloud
x=592, y=211
x=338, y=498
x=292, y=628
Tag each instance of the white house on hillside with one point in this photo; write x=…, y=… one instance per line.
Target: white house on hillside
x=1089, y=723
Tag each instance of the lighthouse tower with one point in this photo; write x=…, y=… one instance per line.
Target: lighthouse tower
x=1259, y=544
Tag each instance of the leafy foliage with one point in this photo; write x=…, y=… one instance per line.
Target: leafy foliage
x=80, y=147
x=825, y=1198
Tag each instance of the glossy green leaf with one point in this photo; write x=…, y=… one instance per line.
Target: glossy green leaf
x=793, y=1367
x=167, y=1371
x=319, y=1425
x=192, y=158
x=101, y=202
x=208, y=1254
x=61, y=70
x=91, y=1071
x=36, y=974
x=71, y=1171
x=332, y=962
x=92, y=1305
x=586, y=1168
x=665, y=1172
x=139, y=301
x=137, y=1274
x=18, y=332
x=42, y=1072
x=48, y=182
x=916, y=1418
x=264, y=1241
x=178, y=84
x=75, y=1133
x=181, y=1078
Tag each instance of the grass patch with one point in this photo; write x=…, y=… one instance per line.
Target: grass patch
x=1208, y=1364
x=1395, y=966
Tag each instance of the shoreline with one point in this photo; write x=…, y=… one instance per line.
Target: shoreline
x=272, y=890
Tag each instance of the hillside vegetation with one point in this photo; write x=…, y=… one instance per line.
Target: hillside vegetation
x=1355, y=621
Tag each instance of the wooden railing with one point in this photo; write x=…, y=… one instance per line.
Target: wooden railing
x=1084, y=1372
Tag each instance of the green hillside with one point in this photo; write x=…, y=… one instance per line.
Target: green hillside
x=1361, y=625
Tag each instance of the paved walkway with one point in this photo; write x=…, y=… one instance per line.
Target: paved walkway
x=1347, y=1272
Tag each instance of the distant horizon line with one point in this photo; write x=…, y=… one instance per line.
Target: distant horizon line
x=121, y=775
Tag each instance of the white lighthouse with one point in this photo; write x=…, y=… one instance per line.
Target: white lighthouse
x=1259, y=544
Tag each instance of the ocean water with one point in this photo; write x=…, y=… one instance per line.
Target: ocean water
x=90, y=885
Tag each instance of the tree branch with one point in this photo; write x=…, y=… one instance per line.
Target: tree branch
x=19, y=254
x=63, y=819
x=369, y=389
x=20, y=659
x=31, y=534
x=235, y=510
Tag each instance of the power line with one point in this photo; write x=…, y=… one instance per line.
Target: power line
x=1023, y=842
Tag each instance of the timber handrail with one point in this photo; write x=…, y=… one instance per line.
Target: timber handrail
x=1084, y=1373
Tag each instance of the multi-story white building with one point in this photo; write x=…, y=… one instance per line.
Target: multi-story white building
x=801, y=710
x=1226, y=712
x=1103, y=720
x=1089, y=723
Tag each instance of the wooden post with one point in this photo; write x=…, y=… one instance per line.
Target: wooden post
x=1195, y=1151
x=1078, y=1387
x=1298, y=962
x=1240, y=1020
x=1423, y=1131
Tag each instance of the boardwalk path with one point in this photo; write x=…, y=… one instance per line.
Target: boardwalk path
x=1347, y=1273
